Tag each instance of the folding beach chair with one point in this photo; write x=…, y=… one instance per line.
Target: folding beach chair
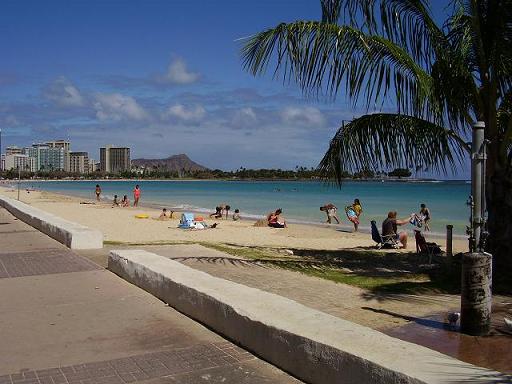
x=388, y=241
x=422, y=247
x=186, y=221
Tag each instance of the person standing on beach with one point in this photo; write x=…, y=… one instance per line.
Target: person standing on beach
x=358, y=209
x=98, y=192
x=425, y=215
x=136, y=195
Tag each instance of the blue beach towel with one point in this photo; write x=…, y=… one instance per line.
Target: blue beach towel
x=186, y=221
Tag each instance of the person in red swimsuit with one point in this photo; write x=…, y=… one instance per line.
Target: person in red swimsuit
x=136, y=195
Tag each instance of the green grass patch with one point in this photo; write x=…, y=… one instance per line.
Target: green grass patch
x=378, y=272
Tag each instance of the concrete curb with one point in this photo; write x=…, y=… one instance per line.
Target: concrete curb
x=311, y=345
x=72, y=235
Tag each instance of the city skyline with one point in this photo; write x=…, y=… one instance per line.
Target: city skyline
x=146, y=77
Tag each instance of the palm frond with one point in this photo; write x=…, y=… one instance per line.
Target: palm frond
x=383, y=141
x=408, y=23
x=323, y=57
x=330, y=10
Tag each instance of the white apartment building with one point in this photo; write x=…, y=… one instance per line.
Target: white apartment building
x=78, y=162
x=24, y=162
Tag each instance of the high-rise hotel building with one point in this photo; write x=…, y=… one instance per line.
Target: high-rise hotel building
x=114, y=159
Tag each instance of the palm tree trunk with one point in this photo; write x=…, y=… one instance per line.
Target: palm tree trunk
x=499, y=205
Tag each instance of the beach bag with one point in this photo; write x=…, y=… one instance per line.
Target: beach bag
x=186, y=221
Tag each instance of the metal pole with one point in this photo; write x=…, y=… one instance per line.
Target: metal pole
x=477, y=160
x=19, y=177
x=476, y=293
x=449, y=237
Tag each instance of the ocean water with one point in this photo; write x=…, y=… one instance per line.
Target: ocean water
x=300, y=200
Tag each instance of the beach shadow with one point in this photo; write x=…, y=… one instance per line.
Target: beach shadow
x=426, y=322
x=343, y=230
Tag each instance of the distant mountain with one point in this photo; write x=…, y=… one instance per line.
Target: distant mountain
x=172, y=163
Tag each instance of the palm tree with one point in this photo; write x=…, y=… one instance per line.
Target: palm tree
x=443, y=78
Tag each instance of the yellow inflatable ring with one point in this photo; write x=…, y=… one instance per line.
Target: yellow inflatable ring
x=142, y=216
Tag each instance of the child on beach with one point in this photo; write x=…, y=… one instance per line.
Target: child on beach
x=236, y=215
x=115, y=203
x=98, y=192
x=136, y=195
x=275, y=220
x=125, y=202
x=330, y=209
x=163, y=215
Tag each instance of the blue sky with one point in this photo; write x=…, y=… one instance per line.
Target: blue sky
x=163, y=77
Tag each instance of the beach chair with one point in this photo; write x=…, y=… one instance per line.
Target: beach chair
x=389, y=241
x=425, y=248
x=186, y=221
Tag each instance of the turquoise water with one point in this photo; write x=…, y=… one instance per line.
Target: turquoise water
x=300, y=200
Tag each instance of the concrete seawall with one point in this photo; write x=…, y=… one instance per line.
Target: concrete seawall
x=311, y=345
x=72, y=235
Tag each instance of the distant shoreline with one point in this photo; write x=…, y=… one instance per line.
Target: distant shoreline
x=387, y=180
x=247, y=218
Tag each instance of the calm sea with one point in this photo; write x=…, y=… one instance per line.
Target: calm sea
x=300, y=200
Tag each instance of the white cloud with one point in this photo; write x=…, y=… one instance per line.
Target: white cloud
x=63, y=93
x=191, y=114
x=178, y=73
x=114, y=106
x=244, y=117
x=307, y=116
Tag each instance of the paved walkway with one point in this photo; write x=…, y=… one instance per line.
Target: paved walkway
x=415, y=318
x=65, y=319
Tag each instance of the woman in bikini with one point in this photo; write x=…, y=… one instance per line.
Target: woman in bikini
x=275, y=220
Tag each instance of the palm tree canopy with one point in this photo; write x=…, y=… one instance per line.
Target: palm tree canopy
x=443, y=78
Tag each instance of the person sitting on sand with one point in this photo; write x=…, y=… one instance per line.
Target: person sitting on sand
x=125, y=202
x=217, y=214
x=330, y=209
x=98, y=192
x=163, y=215
x=389, y=227
x=115, y=203
x=275, y=220
x=236, y=215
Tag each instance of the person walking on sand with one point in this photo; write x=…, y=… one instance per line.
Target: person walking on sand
x=136, y=195
x=330, y=210
x=98, y=192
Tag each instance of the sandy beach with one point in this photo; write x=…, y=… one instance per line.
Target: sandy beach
x=121, y=225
